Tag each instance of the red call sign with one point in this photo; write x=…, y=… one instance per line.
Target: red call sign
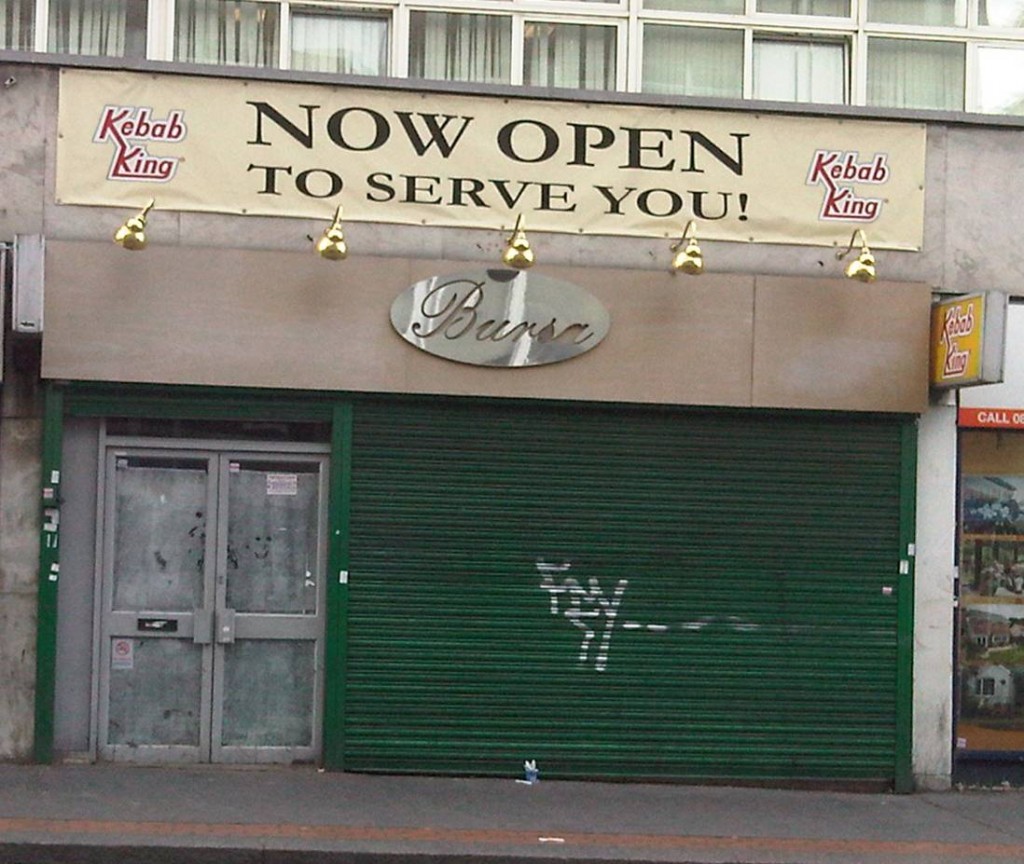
x=991, y=418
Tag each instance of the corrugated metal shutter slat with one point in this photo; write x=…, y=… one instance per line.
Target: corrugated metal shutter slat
x=744, y=554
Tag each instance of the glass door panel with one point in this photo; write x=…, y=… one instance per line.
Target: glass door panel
x=269, y=687
x=159, y=533
x=155, y=700
x=272, y=544
x=266, y=686
x=155, y=656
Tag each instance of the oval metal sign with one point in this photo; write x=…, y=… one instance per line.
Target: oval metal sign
x=500, y=318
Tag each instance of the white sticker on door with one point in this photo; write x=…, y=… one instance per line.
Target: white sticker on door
x=282, y=484
x=122, y=654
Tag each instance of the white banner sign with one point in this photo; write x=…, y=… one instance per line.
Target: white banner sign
x=447, y=159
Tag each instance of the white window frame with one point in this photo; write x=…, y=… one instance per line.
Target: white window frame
x=628, y=17
x=41, y=37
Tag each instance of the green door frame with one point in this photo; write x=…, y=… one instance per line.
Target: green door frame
x=193, y=403
x=49, y=571
x=336, y=636
x=904, y=780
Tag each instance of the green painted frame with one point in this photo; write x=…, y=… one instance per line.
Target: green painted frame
x=100, y=400
x=49, y=570
x=336, y=640
x=904, y=780
x=196, y=403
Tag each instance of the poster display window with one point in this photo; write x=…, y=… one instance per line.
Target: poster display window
x=991, y=637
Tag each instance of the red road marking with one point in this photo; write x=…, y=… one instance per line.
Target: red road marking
x=502, y=837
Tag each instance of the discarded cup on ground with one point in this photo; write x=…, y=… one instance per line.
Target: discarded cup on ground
x=531, y=774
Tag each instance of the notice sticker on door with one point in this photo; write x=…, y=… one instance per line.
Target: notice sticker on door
x=282, y=484
x=122, y=654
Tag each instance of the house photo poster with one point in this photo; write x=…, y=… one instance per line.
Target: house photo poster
x=991, y=638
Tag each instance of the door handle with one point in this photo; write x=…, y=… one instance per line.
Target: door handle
x=202, y=626
x=225, y=626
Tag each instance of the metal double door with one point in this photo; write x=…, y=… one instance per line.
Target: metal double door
x=212, y=605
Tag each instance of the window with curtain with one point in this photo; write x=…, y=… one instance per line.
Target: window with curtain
x=1000, y=80
x=906, y=73
x=833, y=8
x=241, y=33
x=726, y=7
x=456, y=46
x=569, y=55
x=17, y=18
x=794, y=71
x=98, y=27
x=1001, y=13
x=335, y=41
x=692, y=61
x=935, y=13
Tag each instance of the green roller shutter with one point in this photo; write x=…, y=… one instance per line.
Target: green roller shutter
x=622, y=592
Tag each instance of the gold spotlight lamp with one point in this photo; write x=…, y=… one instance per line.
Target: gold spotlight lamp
x=132, y=234
x=331, y=244
x=518, y=253
x=688, y=258
x=863, y=267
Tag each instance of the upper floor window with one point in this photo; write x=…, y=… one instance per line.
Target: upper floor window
x=1001, y=80
x=457, y=46
x=723, y=7
x=933, y=54
x=835, y=8
x=908, y=73
x=582, y=56
x=333, y=40
x=797, y=70
x=17, y=24
x=232, y=32
x=934, y=13
x=1001, y=13
x=104, y=28
x=693, y=61
x=706, y=61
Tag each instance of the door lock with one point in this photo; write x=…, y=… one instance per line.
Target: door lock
x=225, y=626
x=202, y=626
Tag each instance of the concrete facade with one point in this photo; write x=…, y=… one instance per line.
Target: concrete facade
x=970, y=244
x=20, y=442
x=933, y=599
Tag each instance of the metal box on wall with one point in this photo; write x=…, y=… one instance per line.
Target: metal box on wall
x=27, y=281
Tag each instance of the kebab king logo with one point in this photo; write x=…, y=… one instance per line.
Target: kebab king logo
x=957, y=325
x=838, y=171
x=131, y=129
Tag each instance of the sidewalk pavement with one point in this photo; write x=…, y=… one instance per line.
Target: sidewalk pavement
x=87, y=814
